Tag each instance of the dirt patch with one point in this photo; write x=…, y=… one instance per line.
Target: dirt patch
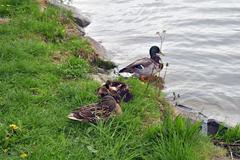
x=233, y=148
x=72, y=29
x=60, y=57
x=87, y=56
x=221, y=158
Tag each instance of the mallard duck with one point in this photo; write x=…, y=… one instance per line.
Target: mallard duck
x=146, y=66
x=117, y=89
x=111, y=94
x=95, y=112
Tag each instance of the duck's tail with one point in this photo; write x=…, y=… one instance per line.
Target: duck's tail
x=72, y=117
x=122, y=70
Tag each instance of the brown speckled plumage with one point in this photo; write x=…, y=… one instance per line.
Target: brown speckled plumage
x=94, y=112
x=111, y=94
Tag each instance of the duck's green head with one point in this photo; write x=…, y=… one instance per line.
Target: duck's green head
x=154, y=50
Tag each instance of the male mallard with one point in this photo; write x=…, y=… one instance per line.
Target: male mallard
x=117, y=89
x=95, y=112
x=146, y=66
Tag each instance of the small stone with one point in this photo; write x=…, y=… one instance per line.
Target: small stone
x=213, y=127
x=98, y=48
x=81, y=20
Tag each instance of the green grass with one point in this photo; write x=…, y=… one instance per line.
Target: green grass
x=231, y=135
x=230, y=139
x=179, y=139
x=37, y=93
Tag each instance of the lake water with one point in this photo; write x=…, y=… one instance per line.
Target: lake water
x=202, y=46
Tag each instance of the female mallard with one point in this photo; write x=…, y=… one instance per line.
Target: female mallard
x=146, y=66
x=111, y=94
x=95, y=112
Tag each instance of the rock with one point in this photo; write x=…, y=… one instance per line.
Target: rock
x=98, y=48
x=82, y=21
x=102, y=78
x=79, y=18
x=100, y=52
x=102, y=71
x=209, y=126
x=213, y=127
x=81, y=31
x=181, y=110
x=102, y=75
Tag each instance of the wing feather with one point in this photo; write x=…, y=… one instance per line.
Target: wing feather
x=145, y=62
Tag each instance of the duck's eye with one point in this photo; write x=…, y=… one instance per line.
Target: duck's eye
x=139, y=66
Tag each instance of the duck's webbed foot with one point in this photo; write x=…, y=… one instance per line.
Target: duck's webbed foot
x=144, y=78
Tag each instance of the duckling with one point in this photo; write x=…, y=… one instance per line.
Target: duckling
x=104, y=91
x=95, y=112
x=146, y=66
x=116, y=88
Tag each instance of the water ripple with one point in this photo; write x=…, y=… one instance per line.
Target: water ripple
x=202, y=45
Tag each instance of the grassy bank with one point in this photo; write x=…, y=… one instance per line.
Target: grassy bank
x=44, y=75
